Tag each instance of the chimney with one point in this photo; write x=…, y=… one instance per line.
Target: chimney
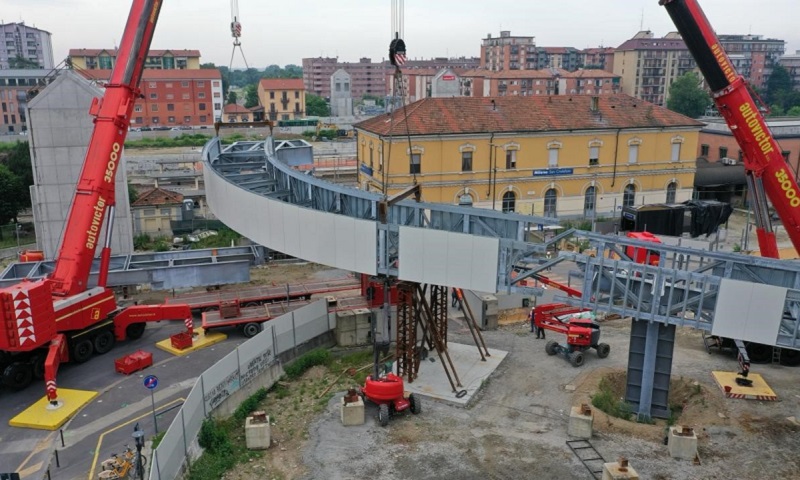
x=595, y=105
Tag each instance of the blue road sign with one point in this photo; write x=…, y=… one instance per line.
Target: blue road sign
x=151, y=381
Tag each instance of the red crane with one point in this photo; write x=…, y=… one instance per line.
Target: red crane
x=768, y=176
x=59, y=318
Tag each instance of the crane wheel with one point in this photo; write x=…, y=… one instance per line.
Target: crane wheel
x=81, y=351
x=104, y=342
x=551, y=347
x=383, y=414
x=416, y=404
x=37, y=363
x=790, y=358
x=18, y=375
x=576, y=359
x=135, y=331
x=759, y=353
x=603, y=349
x=251, y=329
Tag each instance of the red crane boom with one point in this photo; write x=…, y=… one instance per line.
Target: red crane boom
x=767, y=173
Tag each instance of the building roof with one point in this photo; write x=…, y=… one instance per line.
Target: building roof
x=233, y=108
x=22, y=24
x=516, y=74
x=156, y=197
x=93, y=52
x=514, y=114
x=282, y=84
x=590, y=73
x=653, y=44
x=153, y=74
x=559, y=50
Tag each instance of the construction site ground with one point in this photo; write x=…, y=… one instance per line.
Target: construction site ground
x=517, y=426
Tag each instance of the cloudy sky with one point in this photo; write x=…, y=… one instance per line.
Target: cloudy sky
x=283, y=32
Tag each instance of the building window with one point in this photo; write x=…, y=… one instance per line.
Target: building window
x=676, y=152
x=185, y=96
x=285, y=117
x=187, y=119
x=633, y=153
x=550, y=199
x=170, y=96
x=154, y=107
x=201, y=106
x=296, y=94
x=171, y=119
x=590, y=202
x=786, y=154
x=165, y=211
x=149, y=212
x=156, y=120
x=168, y=84
x=723, y=152
x=509, y=202
x=203, y=118
x=217, y=106
x=153, y=96
x=672, y=189
x=201, y=84
x=151, y=84
x=416, y=160
x=170, y=107
x=139, y=120
x=552, y=157
x=594, y=156
x=466, y=161
x=629, y=195
x=741, y=156
x=511, y=159
x=137, y=108
x=215, y=83
x=184, y=84
x=201, y=94
x=272, y=95
x=704, y=150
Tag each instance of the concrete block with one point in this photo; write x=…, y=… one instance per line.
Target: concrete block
x=619, y=470
x=682, y=442
x=580, y=422
x=257, y=432
x=352, y=412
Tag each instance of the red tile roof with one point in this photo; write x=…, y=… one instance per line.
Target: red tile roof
x=282, y=84
x=235, y=108
x=517, y=74
x=537, y=113
x=151, y=74
x=93, y=52
x=590, y=73
x=156, y=197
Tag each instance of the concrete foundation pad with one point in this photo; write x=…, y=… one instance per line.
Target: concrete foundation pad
x=353, y=413
x=758, y=391
x=580, y=425
x=432, y=382
x=257, y=434
x=613, y=471
x=201, y=339
x=682, y=446
x=42, y=416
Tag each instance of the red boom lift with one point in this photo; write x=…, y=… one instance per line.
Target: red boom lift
x=59, y=318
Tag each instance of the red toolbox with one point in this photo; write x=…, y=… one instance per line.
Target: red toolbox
x=137, y=360
x=181, y=340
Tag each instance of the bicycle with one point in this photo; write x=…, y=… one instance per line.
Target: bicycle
x=119, y=466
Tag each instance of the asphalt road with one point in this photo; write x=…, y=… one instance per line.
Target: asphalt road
x=105, y=425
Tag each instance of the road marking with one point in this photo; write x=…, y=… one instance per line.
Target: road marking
x=41, y=445
x=30, y=470
x=102, y=435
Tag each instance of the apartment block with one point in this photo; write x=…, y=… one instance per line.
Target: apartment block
x=174, y=98
x=104, y=59
x=282, y=98
x=367, y=78
x=753, y=56
x=589, y=82
x=508, y=52
x=566, y=58
x=601, y=57
x=649, y=65
x=16, y=88
x=792, y=64
x=23, y=47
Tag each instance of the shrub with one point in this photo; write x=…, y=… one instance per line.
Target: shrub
x=213, y=438
x=608, y=402
x=304, y=362
x=249, y=405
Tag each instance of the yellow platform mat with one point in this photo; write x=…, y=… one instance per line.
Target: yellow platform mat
x=758, y=391
x=42, y=416
x=200, y=340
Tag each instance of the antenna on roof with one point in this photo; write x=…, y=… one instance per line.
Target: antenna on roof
x=641, y=22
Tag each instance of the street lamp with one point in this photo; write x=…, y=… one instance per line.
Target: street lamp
x=138, y=436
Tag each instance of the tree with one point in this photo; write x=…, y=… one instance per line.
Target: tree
x=133, y=195
x=251, y=96
x=687, y=97
x=316, y=106
x=21, y=63
x=10, y=205
x=232, y=98
x=779, y=84
x=18, y=162
x=378, y=100
x=793, y=112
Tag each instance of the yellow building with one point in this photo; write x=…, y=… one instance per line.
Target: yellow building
x=103, y=59
x=282, y=98
x=559, y=156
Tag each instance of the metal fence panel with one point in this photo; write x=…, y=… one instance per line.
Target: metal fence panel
x=171, y=452
x=193, y=411
x=220, y=381
x=284, y=335
x=310, y=321
x=255, y=355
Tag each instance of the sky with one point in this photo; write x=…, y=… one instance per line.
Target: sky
x=284, y=32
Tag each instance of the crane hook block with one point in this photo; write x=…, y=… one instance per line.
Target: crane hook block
x=236, y=29
x=397, y=52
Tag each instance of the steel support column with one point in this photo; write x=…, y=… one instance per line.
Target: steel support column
x=407, y=359
x=439, y=311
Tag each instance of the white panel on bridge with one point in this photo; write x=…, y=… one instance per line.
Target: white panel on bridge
x=749, y=311
x=326, y=238
x=446, y=258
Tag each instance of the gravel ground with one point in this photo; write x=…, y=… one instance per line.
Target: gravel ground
x=517, y=428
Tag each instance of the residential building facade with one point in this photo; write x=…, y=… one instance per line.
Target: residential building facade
x=282, y=98
x=792, y=64
x=717, y=144
x=588, y=82
x=174, y=98
x=649, y=65
x=566, y=58
x=233, y=113
x=367, y=78
x=23, y=47
x=578, y=156
x=104, y=59
x=601, y=57
x=17, y=87
x=508, y=52
x=154, y=210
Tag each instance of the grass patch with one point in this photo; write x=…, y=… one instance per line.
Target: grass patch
x=608, y=402
x=157, y=439
x=304, y=362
